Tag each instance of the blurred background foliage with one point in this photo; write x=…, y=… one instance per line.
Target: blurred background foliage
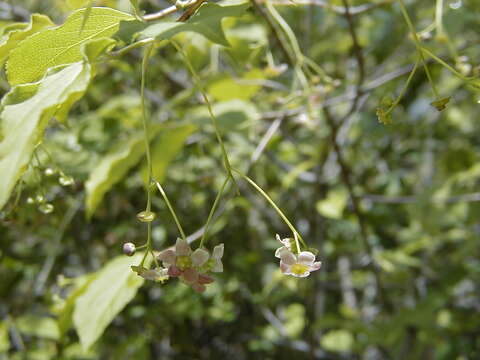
x=415, y=181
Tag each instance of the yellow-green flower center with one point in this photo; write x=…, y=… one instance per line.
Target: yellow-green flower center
x=184, y=262
x=299, y=269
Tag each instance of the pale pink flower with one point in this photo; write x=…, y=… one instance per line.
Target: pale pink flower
x=216, y=260
x=286, y=245
x=300, y=265
x=191, y=266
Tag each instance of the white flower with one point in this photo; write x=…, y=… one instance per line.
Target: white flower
x=217, y=265
x=286, y=245
x=300, y=265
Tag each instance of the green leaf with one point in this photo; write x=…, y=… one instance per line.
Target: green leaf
x=65, y=318
x=136, y=7
x=86, y=14
x=206, y=21
x=333, y=206
x=228, y=88
x=39, y=326
x=11, y=39
x=167, y=145
x=26, y=110
x=61, y=45
x=337, y=341
x=234, y=115
x=113, y=167
x=114, y=286
x=4, y=341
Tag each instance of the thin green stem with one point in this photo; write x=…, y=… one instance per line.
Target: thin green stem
x=444, y=64
x=272, y=203
x=404, y=89
x=212, y=210
x=146, y=57
x=198, y=82
x=170, y=208
x=148, y=51
x=418, y=46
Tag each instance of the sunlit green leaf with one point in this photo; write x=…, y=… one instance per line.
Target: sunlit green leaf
x=26, y=110
x=11, y=39
x=113, y=288
x=337, y=341
x=167, y=145
x=61, y=45
x=206, y=21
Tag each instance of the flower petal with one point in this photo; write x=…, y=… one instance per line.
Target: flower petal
x=278, y=252
x=150, y=274
x=288, y=257
x=218, y=266
x=285, y=268
x=315, y=266
x=285, y=242
x=200, y=257
x=182, y=248
x=167, y=257
x=190, y=276
x=305, y=274
x=218, y=251
x=205, y=279
x=174, y=271
x=306, y=258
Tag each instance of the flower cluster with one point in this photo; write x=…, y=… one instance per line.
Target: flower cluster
x=192, y=267
x=298, y=264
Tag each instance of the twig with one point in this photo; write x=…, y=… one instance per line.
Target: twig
x=167, y=11
x=340, y=10
x=347, y=180
x=358, y=53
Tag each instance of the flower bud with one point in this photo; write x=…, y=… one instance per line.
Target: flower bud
x=30, y=200
x=65, y=180
x=45, y=208
x=49, y=171
x=129, y=249
x=39, y=199
x=146, y=216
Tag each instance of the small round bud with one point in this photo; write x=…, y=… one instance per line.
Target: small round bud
x=146, y=216
x=49, y=171
x=45, y=208
x=39, y=199
x=65, y=180
x=129, y=249
x=30, y=200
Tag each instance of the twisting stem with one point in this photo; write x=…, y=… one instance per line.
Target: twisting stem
x=272, y=203
x=346, y=178
x=170, y=208
x=212, y=210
